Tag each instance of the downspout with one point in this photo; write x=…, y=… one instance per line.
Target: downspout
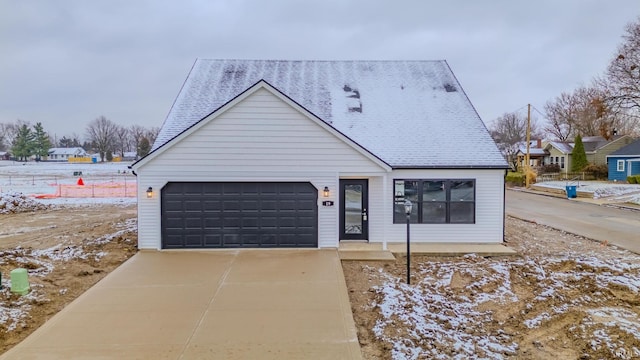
x=385, y=194
x=504, y=205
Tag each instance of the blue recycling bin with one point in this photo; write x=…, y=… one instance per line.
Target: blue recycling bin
x=571, y=192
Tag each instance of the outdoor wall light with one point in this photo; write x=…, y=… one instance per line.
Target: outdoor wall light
x=149, y=192
x=325, y=192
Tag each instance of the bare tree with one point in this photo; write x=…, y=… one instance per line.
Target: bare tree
x=136, y=133
x=10, y=131
x=3, y=137
x=121, y=140
x=623, y=73
x=622, y=81
x=152, y=134
x=584, y=112
x=102, y=133
x=509, y=132
x=561, y=115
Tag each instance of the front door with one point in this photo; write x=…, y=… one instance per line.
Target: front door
x=354, y=197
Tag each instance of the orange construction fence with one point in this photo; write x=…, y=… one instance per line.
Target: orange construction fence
x=98, y=190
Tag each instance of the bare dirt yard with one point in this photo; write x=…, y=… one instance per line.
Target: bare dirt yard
x=65, y=250
x=563, y=297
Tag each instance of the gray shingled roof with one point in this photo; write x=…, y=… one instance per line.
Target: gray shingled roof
x=408, y=113
x=563, y=147
x=632, y=149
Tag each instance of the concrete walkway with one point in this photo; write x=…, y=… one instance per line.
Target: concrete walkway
x=373, y=251
x=264, y=304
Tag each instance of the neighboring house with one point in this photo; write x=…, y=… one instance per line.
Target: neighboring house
x=310, y=153
x=4, y=155
x=595, y=147
x=559, y=153
x=130, y=156
x=624, y=162
x=537, y=154
x=63, y=154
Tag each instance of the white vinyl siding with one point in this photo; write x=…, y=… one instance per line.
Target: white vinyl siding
x=260, y=139
x=489, y=217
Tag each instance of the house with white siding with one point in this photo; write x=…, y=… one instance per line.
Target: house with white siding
x=63, y=154
x=262, y=153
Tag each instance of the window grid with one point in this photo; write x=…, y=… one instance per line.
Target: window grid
x=436, y=201
x=620, y=165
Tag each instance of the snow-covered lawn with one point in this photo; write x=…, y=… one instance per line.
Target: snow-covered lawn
x=601, y=190
x=44, y=178
x=563, y=297
x=451, y=312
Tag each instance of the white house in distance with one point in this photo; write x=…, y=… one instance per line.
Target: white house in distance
x=63, y=154
x=260, y=153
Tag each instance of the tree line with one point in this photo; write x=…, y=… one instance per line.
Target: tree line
x=609, y=105
x=102, y=136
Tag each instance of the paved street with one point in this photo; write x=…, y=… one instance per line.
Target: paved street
x=617, y=226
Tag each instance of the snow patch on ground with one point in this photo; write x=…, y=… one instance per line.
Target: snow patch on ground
x=601, y=190
x=459, y=297
x=40, y=262
x=12, y=203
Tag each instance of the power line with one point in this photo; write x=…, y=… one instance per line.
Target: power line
x=538, y=111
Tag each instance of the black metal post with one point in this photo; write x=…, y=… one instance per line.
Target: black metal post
x=408, y=252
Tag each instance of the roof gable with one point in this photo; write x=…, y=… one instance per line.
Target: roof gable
x=632, y=149
x=407, y=113
x=260, y=85
x=563, y=147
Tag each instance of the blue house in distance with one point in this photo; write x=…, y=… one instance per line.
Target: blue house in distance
x=624, y=162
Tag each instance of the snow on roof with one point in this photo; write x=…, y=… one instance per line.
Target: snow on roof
x=533, y=151
x=632, y=149
x=563, y=147
x=408, y=113
x=67, y=151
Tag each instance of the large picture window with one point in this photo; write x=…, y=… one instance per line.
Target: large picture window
x=436, y=201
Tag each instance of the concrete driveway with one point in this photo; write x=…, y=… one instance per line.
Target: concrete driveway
x=249, y=304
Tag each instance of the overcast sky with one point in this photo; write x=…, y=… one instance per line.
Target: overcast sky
x=66, y=62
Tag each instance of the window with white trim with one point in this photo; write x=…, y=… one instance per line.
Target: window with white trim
x=620, y=165
x=436, y=201
x=562, y=162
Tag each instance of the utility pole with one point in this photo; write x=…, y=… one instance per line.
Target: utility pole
x=526, y=158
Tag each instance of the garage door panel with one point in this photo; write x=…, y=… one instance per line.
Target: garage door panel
x=213, y=240
x=216, y=215
x=193, y=240
x=173, y=205
x=193, y=223
x=231, y=240
x=250, y=204
x=213, y=222
x=211, y=205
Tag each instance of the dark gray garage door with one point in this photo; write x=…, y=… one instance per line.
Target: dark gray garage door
x=232, y=215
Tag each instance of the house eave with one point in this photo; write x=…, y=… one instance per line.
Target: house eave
x=449, y=167
x=623, y=155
